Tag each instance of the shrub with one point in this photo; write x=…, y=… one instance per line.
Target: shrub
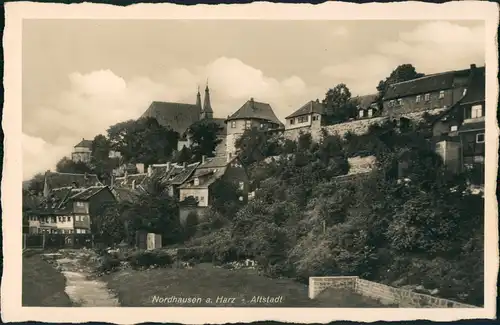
x=107, y=263
x=145, y=259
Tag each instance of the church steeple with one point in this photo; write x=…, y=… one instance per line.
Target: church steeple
x=207, y=107
x=198, y=99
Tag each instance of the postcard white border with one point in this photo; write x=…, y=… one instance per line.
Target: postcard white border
x=12, y=172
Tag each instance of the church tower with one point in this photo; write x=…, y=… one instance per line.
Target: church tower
x=198, y=99
x=207, y=112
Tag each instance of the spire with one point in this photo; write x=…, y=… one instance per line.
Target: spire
x=198, y=99
x=46, y=189
x=207, y=107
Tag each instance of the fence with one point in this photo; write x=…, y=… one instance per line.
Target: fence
x=47, y=241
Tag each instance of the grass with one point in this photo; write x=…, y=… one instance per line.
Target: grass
x=43, y=285
x=137, y=289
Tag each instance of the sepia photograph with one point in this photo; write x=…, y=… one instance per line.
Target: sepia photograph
x=306, y=164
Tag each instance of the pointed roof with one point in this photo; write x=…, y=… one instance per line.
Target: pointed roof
x=198, y=98
x=207, y=106
x=177, y=116
x=313, y=106
x=255, y=110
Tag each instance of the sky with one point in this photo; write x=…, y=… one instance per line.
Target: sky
x=82, y=76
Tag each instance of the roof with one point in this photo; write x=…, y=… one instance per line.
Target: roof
x=208, y=172
x=177, y=116
x=130, y=179
x=365, y=101
x=313, y=106
x=85, y=144
x=88, y=193
x=255, y=110
x=124, y=194
x=476, y=88
x=58, y=180
x=426, y=84
x=180, y=175
x=472, y=126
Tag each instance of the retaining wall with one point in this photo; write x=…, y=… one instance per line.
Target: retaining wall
x=385, y=294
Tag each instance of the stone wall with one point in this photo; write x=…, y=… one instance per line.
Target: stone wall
x=357, y=127
x=385, y=294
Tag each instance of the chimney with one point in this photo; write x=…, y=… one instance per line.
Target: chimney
x=203, y=159
x=317, y=100
x=150, y=170
x=472, y=66
x=140, y=168
x=133, y=184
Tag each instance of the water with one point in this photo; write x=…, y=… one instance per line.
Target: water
x=81, y=287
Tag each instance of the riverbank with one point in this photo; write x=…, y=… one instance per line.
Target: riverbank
x=43, y=285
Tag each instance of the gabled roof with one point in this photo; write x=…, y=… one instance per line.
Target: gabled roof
x=182, y=175
x=365, y=101
x=255, y=110
x=58, y=180
x=313, y=106
x=85, y=144
x=426, y=84
x=177, y=116
x=208, y=172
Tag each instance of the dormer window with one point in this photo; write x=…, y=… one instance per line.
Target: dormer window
x=196, y=181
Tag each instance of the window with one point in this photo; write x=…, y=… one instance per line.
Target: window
x=315, y=118
x=480, y=138
x=361, y=113
x=476, y=111
x=427, y=97
x=202, y=199
x=400, y=102
x=60, y=219
x=370, y=112
x=233, y=124
x=262, y=125
x=64, y=219
x=248, y=124
x=79, y=204
x=196, y=181
x=418, y=99
x=454, y=128
x=197, y=198
x=242, y=185
x=292, y=121
x=441, y=94
x=303, y=119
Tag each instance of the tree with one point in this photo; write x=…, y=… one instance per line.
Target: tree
x=252, y=146
x=338, y=104
x=66, y=165
x=403, y=72
x=182, y=156
x=100, y=162
x=143, y=141
x=36, y=184
x=204, y=138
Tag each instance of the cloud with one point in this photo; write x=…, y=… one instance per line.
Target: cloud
x=431, y=47
x=99, y=99
x=38, y=155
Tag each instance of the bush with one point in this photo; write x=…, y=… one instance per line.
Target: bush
x=146, y=259
x=107, y=263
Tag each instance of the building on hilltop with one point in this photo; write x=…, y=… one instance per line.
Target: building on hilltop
x=459, y=132
x=432, y=92
x=367, y=106
x=82, y=151
x=306, y=116
x=252, y=114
